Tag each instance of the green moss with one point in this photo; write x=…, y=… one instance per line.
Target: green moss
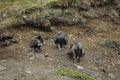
x=71, y=11
x=111, y=43
x=1, y=78
x=89, y=14
x=73, y=74
x=64, y=3
x=12, y=8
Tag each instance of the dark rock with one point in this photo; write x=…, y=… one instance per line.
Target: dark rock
x=56, y=20
x=112, y=2
x=84, y=7
x=116, y=20
x=5, y=44
x=15, y=40
x=7, y=39
x=45, y=24
x=39, y=23
x=16, y=79
x=5, y=36
x=98, y=3
x=29, y=11
x=103, y=70
x=102, y=3
x=68, y=18
x=1, y=18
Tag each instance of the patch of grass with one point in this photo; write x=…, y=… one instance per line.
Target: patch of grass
x=65, y=3
x=12, y=8
x=111, y=43
x=1, y=78
x=73, y=74
x=71, y=11
x=89, y=14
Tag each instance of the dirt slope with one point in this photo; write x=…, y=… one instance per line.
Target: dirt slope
x=99, y=62
x=23, y=64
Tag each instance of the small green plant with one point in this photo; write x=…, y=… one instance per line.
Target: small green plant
x=111, y=43
x=73, y=74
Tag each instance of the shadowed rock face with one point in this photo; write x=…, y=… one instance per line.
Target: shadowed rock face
x=45, y=24
x=5, y=36
x=101, y=3
x=39, y=23
x=84, y=6
x=112, y=2
x=7, y=39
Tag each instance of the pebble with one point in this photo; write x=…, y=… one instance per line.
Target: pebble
x=78, y=67
x=70, y=35
x=31, y=58
x=46, y=55
x=53, y=28
x=50, y=59
x=89, y=39
x=2, y=60
x=28, y=72
x=35, y=32
x=81, y=33
x=19, y=37
x=50, y=65
x=118, y=62
x=73, y=38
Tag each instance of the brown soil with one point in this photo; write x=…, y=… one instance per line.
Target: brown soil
x=98, y=61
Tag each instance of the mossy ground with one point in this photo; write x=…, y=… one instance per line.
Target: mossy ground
x=111, y=43
x=11, y=8
x=73, y=74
